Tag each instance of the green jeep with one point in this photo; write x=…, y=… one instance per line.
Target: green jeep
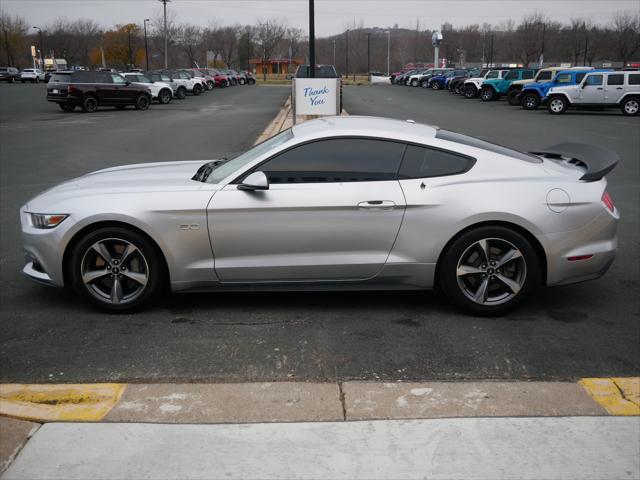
x=496, y=87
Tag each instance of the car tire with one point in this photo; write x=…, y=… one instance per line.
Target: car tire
x=512, y=98
x=182, y=93
x=67, y=107
x=242, y=81
x=557, y=105
x=37, y=80
x=251, y=81
x=197, y=89
x=530, y=101
x=630, y=106
x=484, y=286
x=414, y=82
x=164, y=96
x=142, y=102
x=487, y=94
x=139, y=270
x=470, y=91
x=89, y=104
x=12, y=80
x=210, y=85
x=435, y=86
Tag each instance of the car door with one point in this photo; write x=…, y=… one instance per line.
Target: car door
x=592, y=90
x=105, y=89
x=122, y=93
x=614, y=87
x=332, y=212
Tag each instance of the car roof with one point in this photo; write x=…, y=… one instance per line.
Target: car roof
x=354, y=125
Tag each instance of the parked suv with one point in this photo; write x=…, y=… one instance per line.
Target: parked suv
x=472, y=86
x=423, y=79
x=160, y=91
x=166, y=79
x=33, y=75
x=455, y=84
x=599, y=89
x=543, y=75
x=535, y=94
x=9, y=74
x=494, y=88
x=438, y=82
x=90, y=90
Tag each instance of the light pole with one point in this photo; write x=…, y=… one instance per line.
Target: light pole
x=164, y=7
x=369, y=56
x=146, y=44
x=312, y=43
x=388, y=52
x=346, y=53
x=41, y=47
x=334, y=51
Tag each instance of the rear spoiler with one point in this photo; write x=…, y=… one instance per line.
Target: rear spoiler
x=598, y=161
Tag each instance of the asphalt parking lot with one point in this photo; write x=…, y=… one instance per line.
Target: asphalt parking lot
x=591, y=329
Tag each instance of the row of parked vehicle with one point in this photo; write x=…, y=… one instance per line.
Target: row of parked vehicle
x=90, y=90
x=557, y=88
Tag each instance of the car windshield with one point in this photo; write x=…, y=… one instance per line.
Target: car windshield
x=226, y=169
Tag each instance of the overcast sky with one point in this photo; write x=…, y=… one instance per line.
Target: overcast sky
x=332, y=16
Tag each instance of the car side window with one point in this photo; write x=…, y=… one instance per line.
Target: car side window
x=594, y=80
x=543, y=76
x=615, y=79
x=512, y=76
x=493, y=74
x=115, y=78
x=527, y=74
x=563, y=78
x=634, y=79
x=103, y=77
x=421, y=162
x=336, y=160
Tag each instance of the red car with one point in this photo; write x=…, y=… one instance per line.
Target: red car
x=221, y=80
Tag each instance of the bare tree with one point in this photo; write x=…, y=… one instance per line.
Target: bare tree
x=190, y=40
x=269, y=34
x=225, y=43
x=625, y=35
x=13, y=38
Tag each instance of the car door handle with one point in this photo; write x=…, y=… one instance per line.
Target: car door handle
x=378, y=204
x=618, y=88
x=599, y=88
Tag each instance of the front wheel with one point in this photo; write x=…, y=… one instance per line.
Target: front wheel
x=89, y=104
x=630, y=106
x=512, y=98
x=116, y=269
x=182, y=93
x=197, y=89
x=142, y=102
x=557, y=105
x=414, y=82
x=487, y=94
x=530, y=101
x=164, y=96
x=470, y=91
x=489, y=271
x=435, y=86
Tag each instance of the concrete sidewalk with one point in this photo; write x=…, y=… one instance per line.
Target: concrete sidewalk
x=565, y=448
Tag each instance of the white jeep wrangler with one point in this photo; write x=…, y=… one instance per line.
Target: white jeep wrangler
x=471, y=87
x=599, y=89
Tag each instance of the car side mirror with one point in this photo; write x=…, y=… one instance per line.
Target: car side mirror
x=255, y=181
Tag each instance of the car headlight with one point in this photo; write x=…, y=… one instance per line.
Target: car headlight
x=47, y=220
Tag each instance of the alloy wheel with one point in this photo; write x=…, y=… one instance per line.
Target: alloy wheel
x=114, y=271
x=491, y=271
x=556, y=105
x=631, y=107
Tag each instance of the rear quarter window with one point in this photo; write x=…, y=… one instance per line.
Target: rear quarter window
x=58, y=78
x=634, y=79
x=615, y=79
x=422, y=162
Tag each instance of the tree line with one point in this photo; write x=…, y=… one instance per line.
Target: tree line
x=84, y=42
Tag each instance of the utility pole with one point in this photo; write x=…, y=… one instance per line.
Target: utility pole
x=248, y=49
x=41, y=47
x=388, y=52
x=146, y=44
x=164, y=7
x=334, y=52
x=130, y=52
x=312, y=42
x=346, y=52
x=491, y=51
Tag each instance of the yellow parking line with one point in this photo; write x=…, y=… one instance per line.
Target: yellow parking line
x=59, y=402
x=618, y=396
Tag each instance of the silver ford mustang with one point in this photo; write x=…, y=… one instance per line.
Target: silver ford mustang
x=336, y=203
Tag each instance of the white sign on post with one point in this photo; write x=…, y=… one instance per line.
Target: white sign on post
x=317, y=96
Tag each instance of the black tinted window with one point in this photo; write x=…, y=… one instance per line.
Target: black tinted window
x=336, y=160
x=634, y=79
x=58, y=78
x=420, y=162
x=82, y=77
x=543, y=76
x=103, y=77
x=615, y=79
x=527, y=74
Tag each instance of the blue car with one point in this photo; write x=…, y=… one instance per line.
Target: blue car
x=535, y=94
x=439, y=81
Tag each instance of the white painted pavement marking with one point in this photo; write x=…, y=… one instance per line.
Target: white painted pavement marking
x=471, y=448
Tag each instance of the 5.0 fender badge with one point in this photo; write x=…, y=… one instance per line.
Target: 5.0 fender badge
x=189, y=226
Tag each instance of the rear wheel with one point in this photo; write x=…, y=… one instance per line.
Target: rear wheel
x=37, y=80
x=630, y=106
x=424, y=84
x=116, y=269
x=530, y=101
x=489, y=271
x=242, y=81
x=251, y=81
x=470, y=91
x=12, y=80
x=182, y=93
x=66, y=107
x=164, y=96
x=142, y=102
x=435, y=85
x=557, y=105
x=89, y=104
x=414, y=82
x=512, y=98
x=210, y=85
x=487, y=94
x=197, y=89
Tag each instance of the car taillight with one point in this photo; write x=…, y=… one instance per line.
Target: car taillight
x=71, y=89
x=608, y=201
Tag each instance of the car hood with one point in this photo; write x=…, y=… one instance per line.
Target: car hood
x=137, y=178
